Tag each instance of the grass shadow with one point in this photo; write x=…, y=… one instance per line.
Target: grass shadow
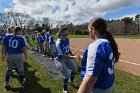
x=31, y=85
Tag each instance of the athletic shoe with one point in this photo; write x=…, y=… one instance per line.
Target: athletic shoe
x=7, y=84
x=51, y=58
x=44, y=55
x=23, y=82
x=13, y=70
x=75, y=85
x=64, y=91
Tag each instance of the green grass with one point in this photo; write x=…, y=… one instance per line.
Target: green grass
x=128, y=36
x=115, y=36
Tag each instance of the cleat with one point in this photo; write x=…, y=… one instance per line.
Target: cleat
x=51, y=58
x=64, y=91
x=7, y=84
x=75, y=85
x=23, y=82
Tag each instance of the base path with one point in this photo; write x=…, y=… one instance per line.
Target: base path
x=129, y=49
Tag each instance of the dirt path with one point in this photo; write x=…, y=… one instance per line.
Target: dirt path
x=48, y=65
x=129, y=48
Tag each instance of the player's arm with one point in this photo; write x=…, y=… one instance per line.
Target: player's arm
x=69, y=56
x=87, y=84
x=25, y=52
x=3, y=52
x=24, y=48
x=71, y=53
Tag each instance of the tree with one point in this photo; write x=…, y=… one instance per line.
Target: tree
x=137, y=19
x=5, y=19
x=19, y=19
x=127, y=21
x=31, y=23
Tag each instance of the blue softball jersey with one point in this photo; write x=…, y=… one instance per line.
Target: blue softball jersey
x=14, y=44
x=51, y=39
x=27, y=36
x=100, y=63
x=84, y=62
x=47, y=36
x=40, y=39
x=62, y=46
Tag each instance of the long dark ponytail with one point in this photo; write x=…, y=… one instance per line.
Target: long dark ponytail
x=100, y=25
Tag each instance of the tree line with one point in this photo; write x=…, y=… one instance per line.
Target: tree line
x=126, y=25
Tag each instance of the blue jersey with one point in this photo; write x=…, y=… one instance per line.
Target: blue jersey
x=27, y=36
x=40, y=39
x=51, y=39
x=14, y=45
x=47, y=36
x=62, y=46
x=84, y=62
x=100, y=63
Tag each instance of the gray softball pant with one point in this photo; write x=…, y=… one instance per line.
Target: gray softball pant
x=52, y=49
x=16, y=59
x=64, y=65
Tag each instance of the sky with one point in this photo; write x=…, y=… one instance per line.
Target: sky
x=75, y=11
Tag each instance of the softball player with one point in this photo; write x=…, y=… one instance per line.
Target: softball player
x=33, y=36
x=46, y=44
x=10, y=31
x=14, y=46
x=40, y=40
x=64, y=59
x=52, y=46
x=37, y=40
x=100, y=60
x=28, y=40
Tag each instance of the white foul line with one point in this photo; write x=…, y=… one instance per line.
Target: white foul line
x=133, y=63
x=129, y=62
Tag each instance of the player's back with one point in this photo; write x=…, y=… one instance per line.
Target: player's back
x=14, y=44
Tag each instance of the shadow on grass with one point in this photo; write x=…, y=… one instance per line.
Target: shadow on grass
x=31, y=85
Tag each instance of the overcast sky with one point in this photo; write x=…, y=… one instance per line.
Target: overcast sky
x=75, y=11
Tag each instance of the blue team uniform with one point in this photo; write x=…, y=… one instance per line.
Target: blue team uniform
x=52, y=45
x=84, y=62
x=40, y=39
x=13, y=44
x=47, y=36
x=14, y=48
x=100, y=63
x=27, y=38
x=51, y=39
x=63, y=47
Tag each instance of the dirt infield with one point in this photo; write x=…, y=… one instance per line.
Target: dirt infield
x=129, y=48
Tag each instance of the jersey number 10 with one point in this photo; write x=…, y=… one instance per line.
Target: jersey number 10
x=13, y=43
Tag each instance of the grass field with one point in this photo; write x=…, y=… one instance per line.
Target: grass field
x=115, y=36
x=39, y=81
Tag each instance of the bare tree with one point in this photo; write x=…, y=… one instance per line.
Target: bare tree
x=31, y=23
x=5, y=19
x=46, y=24
x=19, y=19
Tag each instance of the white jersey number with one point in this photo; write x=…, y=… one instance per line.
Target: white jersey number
x=111, y=70
x=13, y=43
